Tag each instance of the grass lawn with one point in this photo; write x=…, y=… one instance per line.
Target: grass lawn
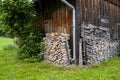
x=5, y=41
x=13, y=69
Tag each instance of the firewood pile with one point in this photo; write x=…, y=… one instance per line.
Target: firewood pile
x=99, y=46
x=16, y=39
x=57, y=48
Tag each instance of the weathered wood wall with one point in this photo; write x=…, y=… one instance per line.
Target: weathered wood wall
x=94, y=11
x=60, y=19
x=57, y=17
x=105, y=13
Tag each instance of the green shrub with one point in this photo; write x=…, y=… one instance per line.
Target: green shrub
x=31, y=47
x=17, y=17
x=2, y=33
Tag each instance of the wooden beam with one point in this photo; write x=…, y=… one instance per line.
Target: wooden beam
x=78, y=25
x=115, y=2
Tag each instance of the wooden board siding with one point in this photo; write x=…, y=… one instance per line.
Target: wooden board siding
x=115, y=2
x=60, y=19
x=87, y=11
x=59, y=22
x=78, y=24
x=92, y=11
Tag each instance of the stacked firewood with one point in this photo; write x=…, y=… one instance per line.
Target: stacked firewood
x=57, y=48
x=16, y=39
x=98, y=44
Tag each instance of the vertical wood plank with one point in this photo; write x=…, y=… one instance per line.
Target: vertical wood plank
x=78, y=25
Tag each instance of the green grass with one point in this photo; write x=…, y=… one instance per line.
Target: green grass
x=11, y=68
x=5, y=41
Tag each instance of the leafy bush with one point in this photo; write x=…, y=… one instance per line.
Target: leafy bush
x=17, y=17
x=31, y=46
x=1, y=33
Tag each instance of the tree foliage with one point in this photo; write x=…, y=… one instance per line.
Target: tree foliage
x=17, y=17
x=17, y=13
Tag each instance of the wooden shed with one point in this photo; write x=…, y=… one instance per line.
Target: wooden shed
x=96, y=21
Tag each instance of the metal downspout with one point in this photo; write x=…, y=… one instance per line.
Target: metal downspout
x=74, y=35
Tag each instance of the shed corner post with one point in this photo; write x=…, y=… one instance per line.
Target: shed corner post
x=79, y=61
